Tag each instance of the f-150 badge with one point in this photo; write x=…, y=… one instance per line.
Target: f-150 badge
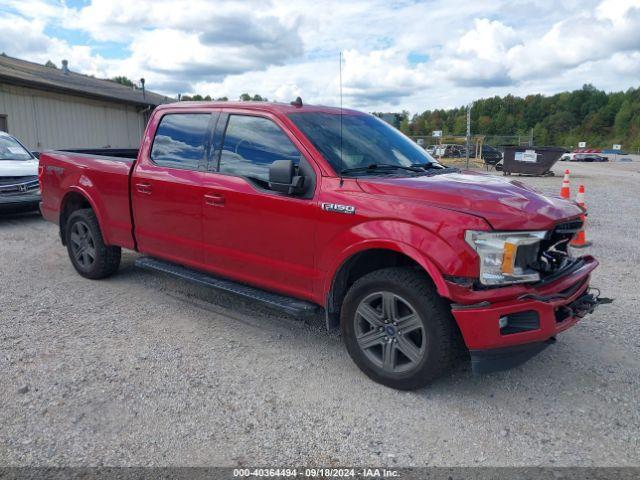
x=334, y=207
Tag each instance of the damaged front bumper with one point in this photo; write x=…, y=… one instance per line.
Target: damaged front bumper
x=501, y=332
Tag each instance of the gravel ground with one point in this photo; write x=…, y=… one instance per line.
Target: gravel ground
x=142, y=369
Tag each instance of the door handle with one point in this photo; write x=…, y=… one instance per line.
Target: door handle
x=144, y=188
x=214, y=199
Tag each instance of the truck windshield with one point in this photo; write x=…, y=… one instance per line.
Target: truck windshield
x=367, y=142
x=10, y=149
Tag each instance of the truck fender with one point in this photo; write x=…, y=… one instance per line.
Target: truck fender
x=85, y=187
x=429, y=251
x=377, y=244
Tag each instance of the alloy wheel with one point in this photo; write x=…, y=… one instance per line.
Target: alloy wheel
x=390, y=332
x=83, y=246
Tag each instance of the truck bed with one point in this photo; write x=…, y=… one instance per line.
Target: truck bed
x=131, y=153
x=105, y=179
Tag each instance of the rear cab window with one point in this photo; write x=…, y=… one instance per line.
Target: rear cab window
x=181, y=140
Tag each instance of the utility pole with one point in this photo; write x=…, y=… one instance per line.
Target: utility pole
x=468, y=133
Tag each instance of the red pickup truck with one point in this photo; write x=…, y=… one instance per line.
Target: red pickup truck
x=308, y=207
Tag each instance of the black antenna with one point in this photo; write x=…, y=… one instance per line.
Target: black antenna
x=341, y=159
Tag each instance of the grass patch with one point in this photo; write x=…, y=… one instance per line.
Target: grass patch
x=462, y=162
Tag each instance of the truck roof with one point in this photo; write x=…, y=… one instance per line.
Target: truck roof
x=274, y=107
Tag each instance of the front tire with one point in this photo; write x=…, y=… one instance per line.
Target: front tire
x=89, y=255
x=397, y=329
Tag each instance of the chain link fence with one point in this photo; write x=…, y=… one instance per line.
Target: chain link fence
x=492, y=140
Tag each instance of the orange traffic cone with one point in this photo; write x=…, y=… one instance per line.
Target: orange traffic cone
x=580, y=240
x=565, y=192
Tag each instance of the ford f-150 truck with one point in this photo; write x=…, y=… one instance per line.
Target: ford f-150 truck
x=307, y=207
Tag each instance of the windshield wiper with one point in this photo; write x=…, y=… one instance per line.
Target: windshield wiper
x=436, y=168
x=376, y=167
x=428, y=165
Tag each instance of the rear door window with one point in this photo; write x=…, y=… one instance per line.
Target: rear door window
x=181, y=140
x=252, y=144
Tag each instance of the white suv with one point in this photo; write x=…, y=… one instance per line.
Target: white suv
x=19, y=186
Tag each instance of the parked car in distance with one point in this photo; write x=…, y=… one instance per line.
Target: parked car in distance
x=431, y=149
x=310, y=207
x=449, y=150
x=592, y=157
x=491, y=155
x=583, y=157
x=19, y=188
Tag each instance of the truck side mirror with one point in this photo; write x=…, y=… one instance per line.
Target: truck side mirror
x=283, y=178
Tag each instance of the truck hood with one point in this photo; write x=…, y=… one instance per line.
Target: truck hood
x=18, y=168
x=504, y=204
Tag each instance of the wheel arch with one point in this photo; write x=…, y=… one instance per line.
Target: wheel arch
x=75, y=199
x=368, y=258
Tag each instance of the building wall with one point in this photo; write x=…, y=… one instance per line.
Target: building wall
x=44, y=120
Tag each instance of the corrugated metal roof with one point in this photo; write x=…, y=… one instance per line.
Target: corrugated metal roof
x=26, y=73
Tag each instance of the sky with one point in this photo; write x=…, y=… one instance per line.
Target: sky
x=397, y=54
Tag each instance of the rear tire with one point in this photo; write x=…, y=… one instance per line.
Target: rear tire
x=89, y=255
x=397, y=329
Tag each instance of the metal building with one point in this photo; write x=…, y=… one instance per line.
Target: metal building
x=50, y=108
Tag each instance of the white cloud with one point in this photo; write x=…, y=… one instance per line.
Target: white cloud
x=627, y=63
x=36, y=9
x=380, y=75
x=496, y=54
x=26, y=39
x=488, y=40
x=478, y=59
x=574, y=41
x=177, y=44
x=282, y=49
x=615, y=10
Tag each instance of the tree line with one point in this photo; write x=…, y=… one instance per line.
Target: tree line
x=565, y=119
x=245, y=97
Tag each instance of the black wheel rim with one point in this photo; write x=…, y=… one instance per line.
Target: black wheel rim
x=389, y=332
x=83, y=247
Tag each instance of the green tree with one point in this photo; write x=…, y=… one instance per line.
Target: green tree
x=404, y=126
x=624, y=117
x=460, y=125
x=589, y=114
x=484, y=124
x=122, y=80
x=540, y=135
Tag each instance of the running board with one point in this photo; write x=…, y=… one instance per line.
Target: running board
x=290, y=305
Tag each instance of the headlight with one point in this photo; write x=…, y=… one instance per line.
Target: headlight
x=498, y=252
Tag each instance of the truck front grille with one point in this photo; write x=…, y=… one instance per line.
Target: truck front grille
x=18, y=185
x=554, y=254
x=16, y=180
x=568, y=228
